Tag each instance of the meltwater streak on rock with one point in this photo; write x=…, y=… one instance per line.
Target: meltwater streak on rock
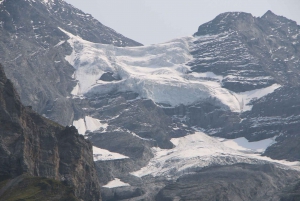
x=33, y=145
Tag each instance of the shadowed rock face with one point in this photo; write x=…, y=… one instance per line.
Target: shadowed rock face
x=237, y=182
x=33, y=145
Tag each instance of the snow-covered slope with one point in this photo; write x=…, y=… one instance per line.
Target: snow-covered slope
x=105, y=155
x=115, y=183
x=88, y=124
x=195, y=151
x=157, y=72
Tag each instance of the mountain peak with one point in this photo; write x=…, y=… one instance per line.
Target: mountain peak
x=269, y=13
x=225, y=22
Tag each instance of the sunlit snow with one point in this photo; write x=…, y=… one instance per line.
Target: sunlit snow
x=158, y=72
x=243, y=144
x=246, y=97
x=88, y=124
x=195, y=151
x=105, y=155
x=115, y=183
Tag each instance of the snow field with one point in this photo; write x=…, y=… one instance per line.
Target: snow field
x=105, y=155
x=88, y=123
x=115, y=183
x=199, y=150
x=157, y=72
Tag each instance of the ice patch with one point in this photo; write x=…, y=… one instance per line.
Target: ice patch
x=115, y=183
x=88, y=124
x=60, y=43
x=76, y=90
x=195, y=151
x=105, y=155
x=208, y=75
x=246, y=97
x=92, y=124
x=243, y=144
x=80, y=125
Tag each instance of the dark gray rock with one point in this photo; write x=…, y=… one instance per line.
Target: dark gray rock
x=236, y=182
x=108, y=77
x=249, y=52
x=33, y=145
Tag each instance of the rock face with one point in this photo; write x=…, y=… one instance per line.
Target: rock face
x=237, y=182
x=249, y=52
x=26, y=187
x=33, y=48
x=237, y=77
x=31, y=144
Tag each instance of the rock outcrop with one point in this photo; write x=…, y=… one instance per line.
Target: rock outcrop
x=237, y=182
x=33, y=145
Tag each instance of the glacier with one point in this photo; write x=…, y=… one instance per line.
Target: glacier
x=196, y=151
x=160, y=73
x=157, y=72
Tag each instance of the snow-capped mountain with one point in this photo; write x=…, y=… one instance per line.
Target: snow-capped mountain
x=33, y=50
x=216, y=81
x=224, y=99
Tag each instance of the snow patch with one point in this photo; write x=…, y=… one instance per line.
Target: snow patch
x=115, y=183
x=76, y=90
x=208, y=75
x=93, y=124
x=243, y=144
x=60, y=43
x=195, y=151
x=246, y=97
x=80, y=125
x=88, y=124
x=105, y=155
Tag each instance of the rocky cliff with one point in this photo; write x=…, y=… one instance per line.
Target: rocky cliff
x=33, y=145
x=33, y=49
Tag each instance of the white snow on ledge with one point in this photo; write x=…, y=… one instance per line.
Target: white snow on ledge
x=115, y=183
x=88, y=124
x=246, y=97
x=105, y=155
x=243, y=144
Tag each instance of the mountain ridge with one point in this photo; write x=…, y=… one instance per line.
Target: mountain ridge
x=162, y=112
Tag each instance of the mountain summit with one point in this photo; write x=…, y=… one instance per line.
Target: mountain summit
x=167, y=121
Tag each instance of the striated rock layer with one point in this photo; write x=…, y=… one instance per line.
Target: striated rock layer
x=33, y=145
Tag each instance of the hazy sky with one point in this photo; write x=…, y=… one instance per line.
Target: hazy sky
x=154, y=21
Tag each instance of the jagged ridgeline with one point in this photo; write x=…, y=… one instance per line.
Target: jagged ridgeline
x=201, y=116
x=41, y=160
x=33, y=48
